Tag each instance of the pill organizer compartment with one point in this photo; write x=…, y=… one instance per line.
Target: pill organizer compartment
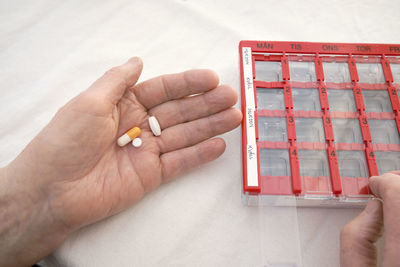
x=383, y=132
x=305, y=99
x=395, y=67
x=387, y=161
x=310, y=130
x=336, y=72
x=352, y=164
x=347, y=131
x=371, y=73
x=272, y=129
x=302, y=71
x=271, y=99
x=377, y=101
x=341, y=100
x=314, y=171
x=274, y=162
x=268, y=71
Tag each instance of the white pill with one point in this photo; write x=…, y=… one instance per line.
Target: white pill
x=137, y=142
x=154, y=126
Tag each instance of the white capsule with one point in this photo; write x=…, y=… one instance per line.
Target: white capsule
x=154, y=126
x=137, y=142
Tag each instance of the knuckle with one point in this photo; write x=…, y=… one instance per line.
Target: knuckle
x=182, y=111
x=166, y=87
x=161, y=145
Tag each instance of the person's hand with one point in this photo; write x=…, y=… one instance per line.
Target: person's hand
x=74, y=173
x=358, y=236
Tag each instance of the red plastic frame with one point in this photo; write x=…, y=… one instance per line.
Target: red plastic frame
x=349, y=53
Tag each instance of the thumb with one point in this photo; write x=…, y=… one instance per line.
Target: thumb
x=358, y=237
x=113, y=84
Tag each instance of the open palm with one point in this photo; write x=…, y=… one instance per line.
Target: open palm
x=90, y=177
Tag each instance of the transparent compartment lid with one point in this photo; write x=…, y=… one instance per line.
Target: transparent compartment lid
x=279, y=221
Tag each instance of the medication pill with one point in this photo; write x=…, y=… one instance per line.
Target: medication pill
x=137, y=142
x=129, y=136
x=154, y=126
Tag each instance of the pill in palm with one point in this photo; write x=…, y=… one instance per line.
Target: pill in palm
x=137, y=142
x=154, y=126
x=129, y=136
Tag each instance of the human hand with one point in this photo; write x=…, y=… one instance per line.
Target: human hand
x=358, y=236
x=74, y=173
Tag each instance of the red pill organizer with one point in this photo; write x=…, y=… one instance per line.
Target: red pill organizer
x=319, y=119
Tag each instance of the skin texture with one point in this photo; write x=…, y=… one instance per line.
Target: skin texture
x=358, y=237
x=73, y=173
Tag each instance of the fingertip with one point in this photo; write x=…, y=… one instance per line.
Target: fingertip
x=202, y=78
x=235, y=118
x=221, y=143
x=213, y=76
x=211, y=149
x=230, y=93
x=217, y=145
x=230, y=119
x=384, y=185
x=238, y=115
x=137, y=62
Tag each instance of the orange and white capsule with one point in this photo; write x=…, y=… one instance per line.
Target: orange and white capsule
x=129, y=136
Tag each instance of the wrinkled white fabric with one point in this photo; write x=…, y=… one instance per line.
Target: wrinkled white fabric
x=52, y=50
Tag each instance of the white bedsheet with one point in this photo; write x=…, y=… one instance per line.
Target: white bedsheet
x=52, y=50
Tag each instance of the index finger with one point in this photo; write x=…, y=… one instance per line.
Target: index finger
x=387, y=187
x=174, y=86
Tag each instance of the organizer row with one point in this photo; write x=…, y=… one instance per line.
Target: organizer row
x=339, y=99
x=312, y=130
x=314, y=163
x=337, y=72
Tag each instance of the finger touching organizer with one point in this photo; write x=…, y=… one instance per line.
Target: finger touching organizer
x=319, y=119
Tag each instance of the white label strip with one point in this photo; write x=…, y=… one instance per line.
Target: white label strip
x=250, y=125
x=248, y=76
x=252, y=167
